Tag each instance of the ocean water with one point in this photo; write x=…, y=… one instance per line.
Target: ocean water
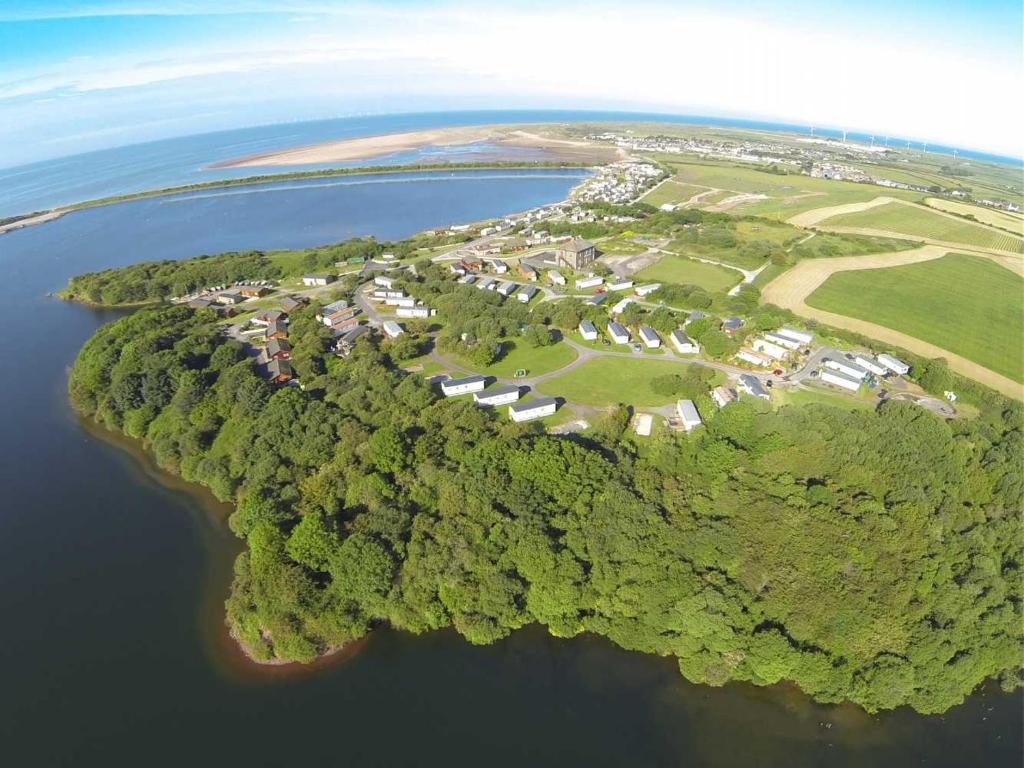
x=177, y=161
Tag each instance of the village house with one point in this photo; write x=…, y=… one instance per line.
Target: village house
x=683, y=343
x=498, y=266
x=620, y=285
x=384, y=281
x=597, y=299
x=773, y=351
x=576, y=254
x=723, y=396
x=392, y=329
x=645, y=290
x=894, y=364
x=532, y=409
x=526, y=293
x=782, y=341
x=230, y=298
x=506, y=289
x=688, y=414
x=618, y=333
x=253, y=291
x=620, y=306
x=649, y=337
x=467, y=279
x=289, y=304
x=279, y=349
x=588, y=331
x=463, y=386
x=804, y=337
x=868, y=364
x=318, y=279
x=345, y=344
x=497, y=396
x=527, y=271
x=487, y=284
x=846, y=368
x=420, y=313
x=279, y=371
x=589, y=282
x=752, y=386
x=556, y=277
x=839, y=379
x=731, y=325
x=277, y=330
x=754, y=358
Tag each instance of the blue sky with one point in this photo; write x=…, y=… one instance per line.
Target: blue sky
x=77, y=75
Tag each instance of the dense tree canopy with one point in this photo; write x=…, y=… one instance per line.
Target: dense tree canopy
x=866, y=556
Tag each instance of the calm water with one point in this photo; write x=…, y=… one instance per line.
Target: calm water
x=113, y=651
x=173, y=162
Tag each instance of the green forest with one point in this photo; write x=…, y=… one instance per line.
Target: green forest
x=869, y=556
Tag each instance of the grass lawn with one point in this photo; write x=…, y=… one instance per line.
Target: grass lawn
x=853, y=402
x=916, y=222
x=685, y=271
x=518, y=354
x=607, y=381
x=671, y=191
x=966, y=304
x=620, y=247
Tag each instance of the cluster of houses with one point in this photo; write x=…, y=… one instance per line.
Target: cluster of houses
x=619, y=182
x=509, y=394
x=385, y=292
x=223, y=299
x=774, y=348
x=276, y=355
x=850, y=372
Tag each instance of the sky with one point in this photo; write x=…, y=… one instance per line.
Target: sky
x=78, y=75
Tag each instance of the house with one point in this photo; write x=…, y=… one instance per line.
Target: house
x=556, y=277
x=576, y=254
x=457, y=269
x=841, y=380
x=773, y=351
x=620, y=306
x=487, y=284
x=589, y=282
x=497, y=395
x=384, y=281
x=384, y=294
x=597, y=299
x=752, y=386
x=620, y=285
x=253, y=291
x=649, y=337
x=894, y=364
x=279, y=371
x=723, y=396
x=498, y=266
x=695, y=315
x=526, y=293
x=268, y=316
x=471, y=264
x=683, y=343
x=644, y=290
x=618, y=333
x=754, y=358
x=290, y=304
x=732, y=324
x=416, y=312
x=200, y=303
x=463, y=386
x=527, y=271
x=400, y=301
x=506, y=289
x=467, y=279
x=230, y=298
x=588, y=331
x=864, y=361
x=804, y=337
x=345, y=344
x=392, y=329
x=279, y=349
x=847, y=368
x=533, y=409
x=277, y=330
x=317, y=279
x=782, y=341
x=336, y=313
x=688, y=415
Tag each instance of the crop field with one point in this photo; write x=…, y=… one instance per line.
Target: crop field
x=993, y=216
x=918, y=222
x=686, y=271
x=607, y=381
x=671, y=191
x=966, y=304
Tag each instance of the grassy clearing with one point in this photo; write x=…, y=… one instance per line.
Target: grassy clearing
x=672, y=191
x=745, y=243
x=685, y=271
x=786, y=396
x=1002, y=219
x=966, y=304
x=607, y=381
x=618, y=246
x=826, y=245
x=518, y=355
x=917, y=222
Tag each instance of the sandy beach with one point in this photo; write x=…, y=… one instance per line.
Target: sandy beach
x=377, y=146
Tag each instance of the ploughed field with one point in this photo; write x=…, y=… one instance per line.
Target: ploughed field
x=966, y=304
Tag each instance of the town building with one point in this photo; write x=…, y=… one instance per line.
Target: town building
x=804, y=337
x=392, y=329
x=894, y=364
x=497, y=395
x=752, y=386
x=649, y=337
x=576, y=254
x=618, y=333
x=532, y=409
x=840, y=380
x=317, y=280
x=683, y=343
x=463, y=386
x=588, y=331
x=688, y=414
x=723, y=396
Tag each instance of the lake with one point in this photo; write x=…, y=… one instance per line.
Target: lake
x=114, y=575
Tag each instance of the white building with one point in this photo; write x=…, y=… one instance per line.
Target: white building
x=498, y=266
x=684, y=343
x=487, y=284
x=392, y=329
x=804, y=337
x=497, y=396
x=467, y=279
x=506, y=289
x=404, y=301
x=847, y=368
x=841, y=380
x=752, y=386
x=644, y=290
x=556, y=277
x=533, y=409
x=688, y=414
x=866, y=362
x=315, y=280
x=894, y=364
x=589, y=282
x=773, y=351
x=618, y=333
x=782, y=341
x=649, y=337
x=383, y=293
x=417, y=312
x=526, y=293
x=723, y=396
x=384, y=281
x=620, y=285
x=463, y=386
x=620, y=306
x=588, y=331
x=754, y=358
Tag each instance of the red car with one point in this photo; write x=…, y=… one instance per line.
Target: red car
x=777, y=372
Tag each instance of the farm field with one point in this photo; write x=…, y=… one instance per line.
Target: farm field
x=671, y=191
x=997, y=218
x=918, y=222
x=686, y=271
x=966, y=304
x=606, y=381
x=536, y=360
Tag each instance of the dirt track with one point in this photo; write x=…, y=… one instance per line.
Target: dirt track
x=791, y=289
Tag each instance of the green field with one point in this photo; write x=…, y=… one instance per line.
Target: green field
x=966, y=304
x=1012, y=222
x=851, y=402
x=536, y=360
x=918, y=222
x=607, y=381
x=618, y=246
x=685, y=271
x=671, y=191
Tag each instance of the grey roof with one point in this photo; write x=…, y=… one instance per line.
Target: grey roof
x=505, y=389
x=688, y=410
x=577, y=245
x=753, y=385
x=732, y=322
x=355, y=333
x=529, y=405
x=696, y=315
x=597, y=298
x=617, y=328
x=279, y=367
x=529, y=290
x=681, y=337
x=276, y=346
x=588, y=327
x=464, y=380
x=318, y=276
